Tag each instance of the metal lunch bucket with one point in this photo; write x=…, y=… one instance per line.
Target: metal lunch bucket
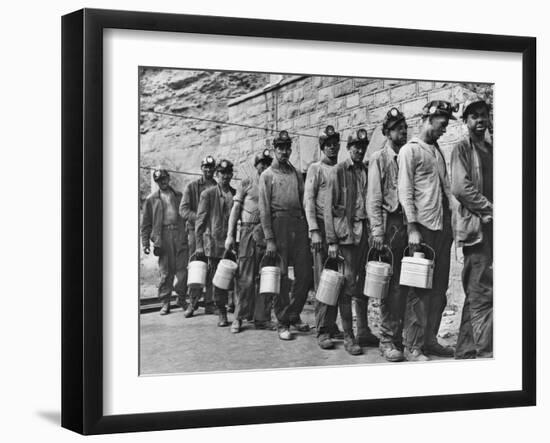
x=270, y=277
x=331, y=283
x=417, y=270
x=197, y=270
x=225, y=271
x=378, y=275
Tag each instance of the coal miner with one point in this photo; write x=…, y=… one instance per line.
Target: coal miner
x=162, y=225
x=388, y=229
x=249, y=304
x=286, y=233
x=188, y=210
x=425, y=196
x=314, y=203
x=472, y=185
x=213, y=218
x=346, y=228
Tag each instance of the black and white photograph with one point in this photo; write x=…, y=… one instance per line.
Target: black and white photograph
x=295, y=221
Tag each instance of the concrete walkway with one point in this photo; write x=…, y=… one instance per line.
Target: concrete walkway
x=174, y=344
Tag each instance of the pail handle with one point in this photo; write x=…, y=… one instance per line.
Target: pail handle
x=426, y=246
x=230, y=251
x=340, y=261
x=193, y=255
x=383, y=247
x=265, y=256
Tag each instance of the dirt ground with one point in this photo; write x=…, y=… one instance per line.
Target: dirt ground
x=174, y=344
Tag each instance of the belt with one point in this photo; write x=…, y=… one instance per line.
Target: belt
x=170, y=227
x=250, y=223
x=296, y=214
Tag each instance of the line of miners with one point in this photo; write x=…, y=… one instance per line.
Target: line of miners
x=404, y=198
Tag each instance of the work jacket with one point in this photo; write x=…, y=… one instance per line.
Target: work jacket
x=153, y=216
x=467, y=187
x=382, y=197
x=340, y=204
x=275, y=195
x=315, y=193
x=423, y=183
x=213, y=218
x=190, y=200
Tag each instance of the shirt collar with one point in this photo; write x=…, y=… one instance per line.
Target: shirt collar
x=351, y=165
x=275, y=164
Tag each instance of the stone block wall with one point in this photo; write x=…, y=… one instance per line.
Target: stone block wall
x=304, y=105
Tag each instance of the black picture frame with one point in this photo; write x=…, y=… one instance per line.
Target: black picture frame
x=82, y=218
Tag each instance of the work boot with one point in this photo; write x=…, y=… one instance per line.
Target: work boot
x=165, y=308
x=285, y=334
x=336, y=333
x=236, y=326
x=325, y=342
x=222, y=318
x=367, y=338
x=390, y=352
x=299, y=326
x=209, y=309
x=350, y=345
x=439, y=350
x=189, y=311
x=265, y=325
x=415, y=355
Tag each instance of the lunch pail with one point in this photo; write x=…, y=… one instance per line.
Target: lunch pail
x=417, y=271
x=378, y=275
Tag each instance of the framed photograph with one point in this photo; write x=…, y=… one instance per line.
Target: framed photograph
x=269, y=221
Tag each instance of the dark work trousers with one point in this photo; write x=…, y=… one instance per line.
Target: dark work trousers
x=354, y=272
x=196, y=293
x=325, y=315
x=291, y=239
x=247, y=298
x=392, y=307
x=425, y=306
x=173, y=263
x=476, y=328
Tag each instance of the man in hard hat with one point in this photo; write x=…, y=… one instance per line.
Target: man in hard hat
x=188, y=210
x=346, y=226
x=425, y=196
x=388, y=229
x=314, y=202
x=162, y=224
x=285, y=229
x=472, y=185
x=213, y=217
x=248, y=303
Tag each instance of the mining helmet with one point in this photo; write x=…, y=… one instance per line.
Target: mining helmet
x=282, y=139
x=208, y=161
x=392, y=118
x=359, y=137
x=160, y=173
x=470, y=103
x=439, y=107
x=263, y=157
x=328, y=134
x=225, y=166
